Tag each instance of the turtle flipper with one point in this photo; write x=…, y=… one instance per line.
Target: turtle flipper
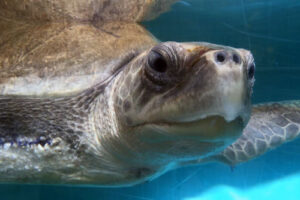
x=271, y=125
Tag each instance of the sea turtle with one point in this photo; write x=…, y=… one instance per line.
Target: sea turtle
x=88, y=96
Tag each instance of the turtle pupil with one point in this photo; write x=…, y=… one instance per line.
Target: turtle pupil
x=157, y=62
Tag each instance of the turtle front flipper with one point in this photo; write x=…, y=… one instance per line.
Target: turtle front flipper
x=271, y=125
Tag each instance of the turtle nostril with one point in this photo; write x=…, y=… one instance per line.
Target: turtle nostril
x=220, y=57
x=236, y=58
x=251, y=71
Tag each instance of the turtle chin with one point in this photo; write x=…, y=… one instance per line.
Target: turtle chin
x=192, y=139
x=212, y=128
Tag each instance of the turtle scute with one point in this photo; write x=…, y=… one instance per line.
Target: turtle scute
x=61, y=46
x=60, y=57
x=84, y=10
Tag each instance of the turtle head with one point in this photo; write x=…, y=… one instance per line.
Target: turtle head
x=184, y=100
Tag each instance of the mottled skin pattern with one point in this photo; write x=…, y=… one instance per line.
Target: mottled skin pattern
x=270, y=125
x=51, y=140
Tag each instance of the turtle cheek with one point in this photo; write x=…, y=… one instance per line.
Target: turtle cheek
x=130, y=98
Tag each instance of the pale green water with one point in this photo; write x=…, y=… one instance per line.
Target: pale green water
x=271, y=30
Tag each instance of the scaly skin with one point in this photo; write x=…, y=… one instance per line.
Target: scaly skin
x=173, y=102
x=270, y=125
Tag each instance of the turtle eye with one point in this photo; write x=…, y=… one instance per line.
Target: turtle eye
x=157, y=62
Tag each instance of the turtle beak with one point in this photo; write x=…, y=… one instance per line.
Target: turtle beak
x=227, y=82
x=199, y=48
x=195, y=50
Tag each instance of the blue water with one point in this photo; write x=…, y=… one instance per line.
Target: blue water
x=271, y=30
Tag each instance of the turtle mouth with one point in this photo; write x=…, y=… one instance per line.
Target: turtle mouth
x=210, y=128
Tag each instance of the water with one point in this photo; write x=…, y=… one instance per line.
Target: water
x=271, y=30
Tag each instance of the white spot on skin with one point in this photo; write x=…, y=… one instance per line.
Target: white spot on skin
x=6, y=146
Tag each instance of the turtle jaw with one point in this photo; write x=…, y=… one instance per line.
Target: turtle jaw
x=212, y=128
x=173, y=141
x=209, y=129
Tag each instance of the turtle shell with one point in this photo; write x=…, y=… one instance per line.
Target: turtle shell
x=61, y=58
x=83, y=10
x=59, y=47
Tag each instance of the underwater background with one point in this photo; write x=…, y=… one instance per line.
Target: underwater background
x=271, y=30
